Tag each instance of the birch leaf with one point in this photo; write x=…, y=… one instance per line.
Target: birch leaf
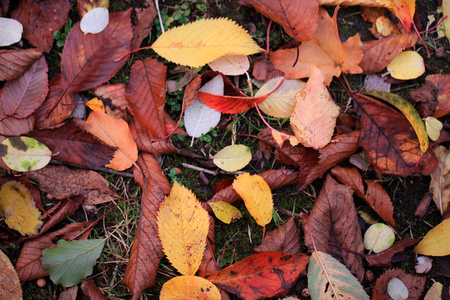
x=436, y=241
x=406, y=65
x=257, y=197
x=183, y=227
x=198, y=43
x=440, y=179
x=315, y=113
x=233, y=158
x=225, y=212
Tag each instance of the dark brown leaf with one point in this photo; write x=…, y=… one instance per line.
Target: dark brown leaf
x=334, y=226
x=146, y=252
x=144, y=142
x=40, y=19
x=146, y=93
x=91, y=291
x=285, y=238
x=384, y=259
x=14, y=63
x=143, y=23
x=434, y=95
x=209, y=264
x=11, y=126
x=414, y=284
x=22, y=96
x=389, y=141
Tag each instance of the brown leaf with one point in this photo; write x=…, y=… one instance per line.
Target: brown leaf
x=10, y=284
x=414, y=284
x=374, y=195
x=285, y=238
x=209, y=264
x=389, y=141
x=114, y=95
x=22, y=96
x=61, y=112
x=144, y=142
x=91, y=291
x=298, y=18
x=40, y=19
x=62, y=182
x=143, y=23
x=384, y=259
x=440, y=84
x=146, y=93
x=88, y=59
x=4, y=5
x=11, y=126
x=146, y=252
x=274, y=178
x=379, y=53
x=344, y=146
x=334, y=226
x=14, y=63
x=28, y=265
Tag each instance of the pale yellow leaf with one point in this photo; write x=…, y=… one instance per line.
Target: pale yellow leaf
x=225, y=212
x=437, y=241
x=233, y=158
x=96, y=105
x=434, y=127
x=183, y=226
x=189, y=287
x=378, y=237
x=435, y=292
x=18, y=208
x=279, y=104
x=406, y=65
x=440, y=179
x=198, y=43
x=231, y=65
x=257, y=197
x=315, y=113
x=24, y=154
x=446, y=11
x=280, y=138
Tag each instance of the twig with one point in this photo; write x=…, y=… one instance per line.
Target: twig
x=200, y=169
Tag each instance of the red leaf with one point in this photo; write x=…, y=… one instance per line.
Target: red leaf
x=11, y=126
x=15, y=62
x=384, y=259
x=22, y=96
x=145, y=142
x=261, y=275
x=146, y=252
x=40, y=19
x=284, y=239
x=146, y=93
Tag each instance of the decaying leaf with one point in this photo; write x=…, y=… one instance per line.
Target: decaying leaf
x=225, y=212
x=440, y=179
x=10, y=284
x=233, y=158
x=435, y=243
x=24, y=154
x=384, y=258
x=189, y=287
x=406, y=65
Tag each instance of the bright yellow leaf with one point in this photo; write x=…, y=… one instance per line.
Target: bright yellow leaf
x=96, y=105
x=233, y=158
x=225, y=212
x=440, y=179
x=257, y=197
x=189, y=287
x=183, y=227
x=18, y=208
x=406, y=65
x=198, y=43
x=437, y=241
x=434, y=127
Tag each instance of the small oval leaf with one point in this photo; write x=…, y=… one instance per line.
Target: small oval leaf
x=225, y=212
x=24, y=154
x=233, y=158
x=378, y=237
x=10, y=31
x=95, y=20
x=406, y=65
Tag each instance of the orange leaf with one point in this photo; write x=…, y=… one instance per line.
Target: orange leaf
x=114, y=132
x=230, y=104
x=96, y=105
x=189, y=287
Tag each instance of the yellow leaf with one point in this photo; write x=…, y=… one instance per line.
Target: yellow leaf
x=435, y=292
x=440, y=179
x=406, y=65
x=315, y=113
x=446, y=11
x=434, y=127
x=257, y=197
x=189, y=287
x=225, y=212
x=114, y=132
x=233, y=158
x=96, y=105
x=18, y=208
x=24, y=154
x=198, y=43
x=183, y=226
x=437, y=241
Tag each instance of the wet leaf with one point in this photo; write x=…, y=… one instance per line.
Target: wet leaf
x=16, y=62
x=10, y=31
x=18, y=208
x=95, y=20
x=261, y=275
x=225, y=212
x=257, y=197
x=24, y=154
x=183, y=226
x=285, y=238
x=378, y=237
x=343, y=283
x=189, y=287
x=233, y=158
x=196, y=44
x=10, y=287
x=440, y=179
x=435, y=242
x=70, y=262
x=406, y=65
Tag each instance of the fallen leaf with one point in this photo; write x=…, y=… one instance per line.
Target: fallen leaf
x=10, y=31
x=384, y=258
x=96, y=105
x=183, y=226
x=435, y=292
x=10, y=126
x=95, y=20
x=298, y=18
x=397, y=290
x=434, y=127
x=315, y=113
x=90, y=290
x=441, y=84
x=114, y=132
x=143, y=23
x=325, y=51
x=146, y=142
x=234, y=104
x=233, y=158
x=24, y=154
x=446, y=12
x=69, y=294
x=10, y=287
x=440, y=178
x=41, y=20
x=285, y=238
x=195, y=44
x=423, y=265
x=378, y=237
x=70, y=262
x=225, y=212
x=435, y=242
x=16, y=62
x=261, y=275
x=257, y=197
x=333, y=224
x=406, y=65
x=414, y=284
x=231, y=65
x=189, y=287
x=328, y=278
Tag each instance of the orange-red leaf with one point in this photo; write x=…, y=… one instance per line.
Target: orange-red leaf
x=230, y=104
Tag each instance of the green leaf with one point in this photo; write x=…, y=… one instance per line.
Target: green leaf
x=24, y=154
x=70, y=262
x=408, y=111
x=342, y=281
